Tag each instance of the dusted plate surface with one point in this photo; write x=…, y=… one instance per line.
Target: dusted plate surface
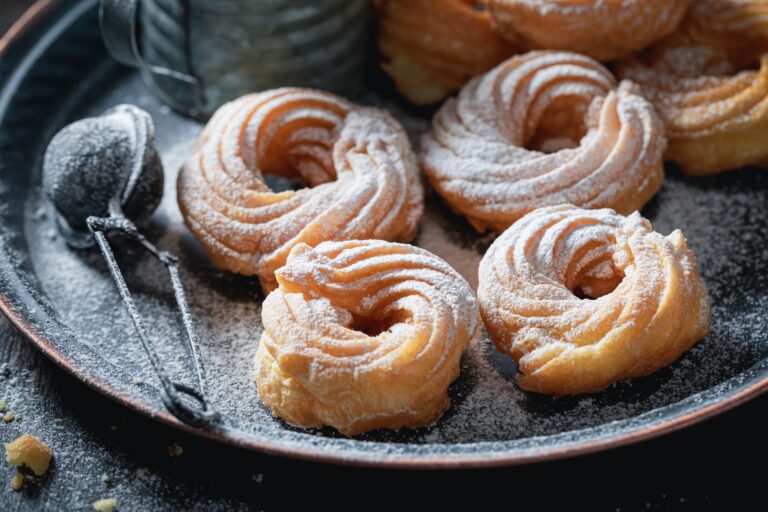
x=65, y=301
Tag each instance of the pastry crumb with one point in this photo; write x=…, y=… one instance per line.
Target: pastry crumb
x=174, y=450
x=141, y=473
x=2, y=405
x=105, y=505
x=17, y=481
x=8, y=417
x=28, y=451
x=58, y=421
x=105, y=478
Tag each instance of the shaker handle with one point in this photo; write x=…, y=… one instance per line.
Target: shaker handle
x=119, y=30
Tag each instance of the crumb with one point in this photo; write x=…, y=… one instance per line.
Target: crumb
x=2, y=405
x=113, y=427
x=58, y=421
x=105, y=478
x=8, y=417
x=258, y=478
x=105, y=505
x=28, y=451
x=174, y=450
x=141, y=473
x=17, y=481
x=137, y=381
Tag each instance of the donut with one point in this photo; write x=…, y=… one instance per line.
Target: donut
x=604, y=30
x=361, y=174
x=542, y=129
x=715, y=110
x=361, y=335
x=716, y=118
x=432, y=47
x=738, y=27
x=584, y=298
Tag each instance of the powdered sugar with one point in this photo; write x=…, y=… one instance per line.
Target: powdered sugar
x=649, y=305
x=603, y=29
x=475, y=154
x=697, y=92
x=363, y=334
x=723, y=218
x=365, y=173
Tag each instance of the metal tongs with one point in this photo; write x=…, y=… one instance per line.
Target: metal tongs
x=102, y=174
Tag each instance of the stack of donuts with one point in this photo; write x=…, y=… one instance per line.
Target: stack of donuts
x=564, y=115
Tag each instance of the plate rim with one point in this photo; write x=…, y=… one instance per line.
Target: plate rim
x=12, y=307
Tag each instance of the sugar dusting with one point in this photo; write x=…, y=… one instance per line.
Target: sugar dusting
x=364, y=173
x=604, y=29
x=480, y=163
x=532, y=270
x=315, y=366
x=724, y=219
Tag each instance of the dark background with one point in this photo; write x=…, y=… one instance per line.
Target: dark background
x=717, y=465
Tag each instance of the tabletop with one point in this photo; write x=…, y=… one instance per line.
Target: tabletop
x=102, y=450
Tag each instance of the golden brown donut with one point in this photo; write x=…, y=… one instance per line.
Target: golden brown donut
x=432, y=47
x=714, y=108
x=716, y=118
x=362, y=335
x=541, y=129
x=738, y=27
x=358, y=162
x=643, y=304
x=602, y=29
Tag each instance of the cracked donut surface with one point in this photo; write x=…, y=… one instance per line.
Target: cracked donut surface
x=541, y=129
x=584, y=298
x=360, y=171
x=361, y=335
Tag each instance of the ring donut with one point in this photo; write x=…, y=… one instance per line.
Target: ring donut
x=738, y=27
x=604, y=30
x=362, y=335
x=584, y=298
x=715, y=110
x=358, y=162
x=432, y=47
x=542, y=129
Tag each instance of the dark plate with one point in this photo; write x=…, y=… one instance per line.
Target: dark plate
x=55, y=70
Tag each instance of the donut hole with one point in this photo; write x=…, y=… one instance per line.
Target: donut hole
x=373, y=326
x=298, y=174
x=281, y=184
x=297, y=153
x=596, y=280
x=561, y=126
x=749, y=63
